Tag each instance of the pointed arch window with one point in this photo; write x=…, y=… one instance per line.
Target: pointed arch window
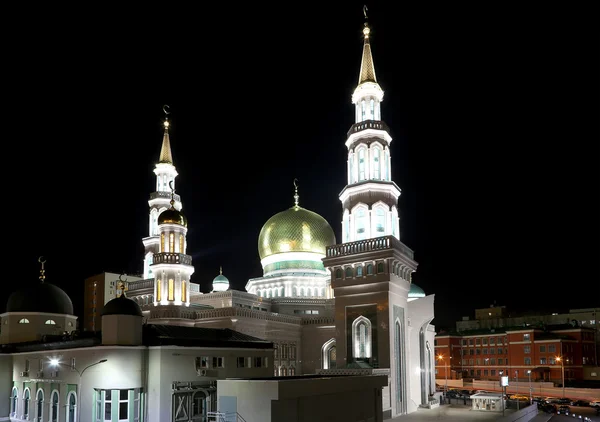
x=328, y=352
x=380, y=267
x=26, y=399
x=14, y=400
x=349, y=272
x=359, y=271
x=372, y=109
x=71, y=406
x=39, y=404
x=361, y=164
x=338, y=273
x=386, y=164
x=369, y=269
x=361, y=336
x=54, y=407
x=346, y=230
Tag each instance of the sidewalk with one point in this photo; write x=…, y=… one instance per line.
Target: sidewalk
x=451, y=413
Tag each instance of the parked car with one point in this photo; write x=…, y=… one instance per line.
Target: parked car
x=563, y=410
x=547, y=407
x=564, y=400
x=595, y=403
x=580, y=402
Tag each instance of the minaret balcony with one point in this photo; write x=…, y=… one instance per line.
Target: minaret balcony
x=171, y=258
x=368, y=245
x=165, y=195
x=367, y=124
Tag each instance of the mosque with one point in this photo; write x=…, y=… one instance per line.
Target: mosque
x=320, y=307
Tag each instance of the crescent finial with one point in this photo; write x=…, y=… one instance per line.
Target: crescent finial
x=365, y=11
x=120, y=279
x=296, y=196
x=165, y=107
x=42, y=261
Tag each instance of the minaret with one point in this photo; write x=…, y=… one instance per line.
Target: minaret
x=370, y=198
x=171, y=267
x=159, y=201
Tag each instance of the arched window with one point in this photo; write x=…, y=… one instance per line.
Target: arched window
x=50, y=322
x=361, y=337
x=376, y=163
x=346, y=219
x=372, y=109
x=14, y=400
x=350, y=168
x=183, y=291
x=26, y=398
x=363, y=108
x=54, y=407
x=71, y=406
x=369, y=269
x=349, y=272
x=39, y=405
x=361, y=164
x=328, y=352
x=380, y=221
x=359, y=271
x=23, y=321
x=171, y=291
x=338, y=273
x=361, y=224
x=380, y=267
x=386, y=163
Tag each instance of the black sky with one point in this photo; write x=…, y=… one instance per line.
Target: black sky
x=493, y=114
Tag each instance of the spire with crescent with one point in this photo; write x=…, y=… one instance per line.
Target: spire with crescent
x=165, y=150
x=367, y=69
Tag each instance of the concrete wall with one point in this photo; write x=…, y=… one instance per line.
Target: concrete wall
x=13, y=332
x=170, y=364
x=313, y=339
x=6, y=372
x=328, y=399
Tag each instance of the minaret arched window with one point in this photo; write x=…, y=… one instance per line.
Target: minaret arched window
x=376, y=163
x=360, y=222
x=158, y=290
x=171, y=292
x=183, y=291
x=379, y=221
x=361, y=164
x=363, y=109
x=351, y=168
x=162, y=242
x=361, y=337
x=372, y=111
x=171, y=242
x=346, y=229
x=181, y=244
x=349, y=272
x=386, y=164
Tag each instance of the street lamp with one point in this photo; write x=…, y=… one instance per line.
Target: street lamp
x=56, y=362
x=503, y=384
x=562, y=367
x=529, y=375
x=440, y=358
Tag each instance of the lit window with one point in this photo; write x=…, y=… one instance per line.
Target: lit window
x=171, y=295
x=158, y=292
x=361, y=335
x=329, y=354
x=50, y=322
x=363, y=108
x=359, y=271
x=171, y=242
x=181, y=248
x=361, y=224
x=183, y=292
x=23, y=321
x=372, y=109
x=380, y=220
x=162, y=242
x=361, y=164
x=376, y=163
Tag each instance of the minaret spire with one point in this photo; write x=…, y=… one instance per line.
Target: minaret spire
x=42, y=261
x=367, y=69
x=165, y=150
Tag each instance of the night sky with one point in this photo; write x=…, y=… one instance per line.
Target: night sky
x=493, y=114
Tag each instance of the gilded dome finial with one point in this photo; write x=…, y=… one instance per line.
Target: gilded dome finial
x=221, y=270
x=172, y=202
x=42, y=261
x=166, y=123
x=296, y=196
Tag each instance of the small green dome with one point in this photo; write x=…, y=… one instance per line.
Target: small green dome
x=416, y=291
x=295, y=230
x=220, y=279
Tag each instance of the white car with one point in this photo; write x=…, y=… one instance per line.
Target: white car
x=595, y=403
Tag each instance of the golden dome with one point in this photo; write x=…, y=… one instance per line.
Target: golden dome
x=172, y=216
x=295, y=230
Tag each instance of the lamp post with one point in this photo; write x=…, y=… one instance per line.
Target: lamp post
x=56, y=362
x=503, y=382
x=440, y=358
x=562, y=367
x=530, y=391
x=517, y=387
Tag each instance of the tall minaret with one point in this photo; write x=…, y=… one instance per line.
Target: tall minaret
x=370, y=199
x=160, y=200
x=171, y=266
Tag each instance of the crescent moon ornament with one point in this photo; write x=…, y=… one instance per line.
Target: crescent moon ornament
x=41, y=260
x=165, y=107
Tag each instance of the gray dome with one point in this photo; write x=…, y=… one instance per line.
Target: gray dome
x=122, y=305
x=40, y=297
x=416, y=291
